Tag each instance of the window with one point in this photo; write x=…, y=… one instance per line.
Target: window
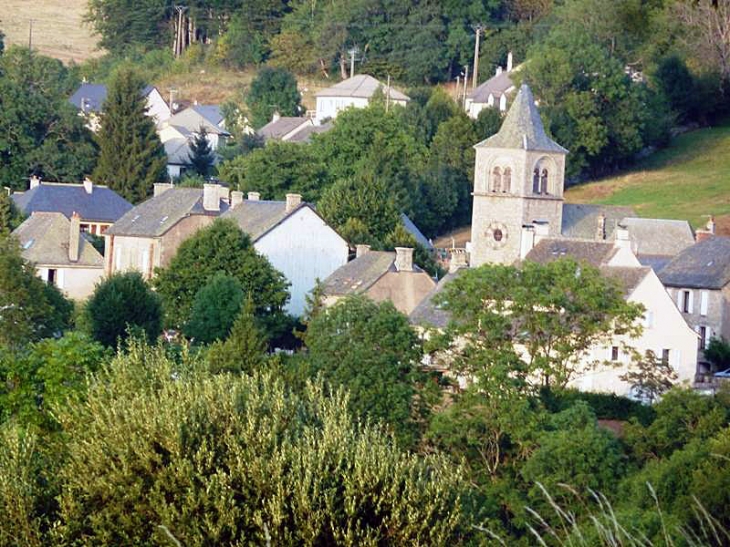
x=649, y=319
x=544, y=182
x=496, y=179
x=665, y=357
x=686, y=302
x=704, y=297
x=507, y=180
x=51, y=276
x=536, y=181
x=703, y=336
x=614, y=353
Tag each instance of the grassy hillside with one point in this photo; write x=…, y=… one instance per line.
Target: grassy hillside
x=688, y=180
x=58, y=28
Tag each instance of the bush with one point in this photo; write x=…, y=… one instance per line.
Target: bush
x=121, y=304
x=215, y=308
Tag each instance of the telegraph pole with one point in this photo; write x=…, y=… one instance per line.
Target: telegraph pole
x=352, y=53
x=30, y=34
x=180, y=34
x=478, y=28
x=466, y=82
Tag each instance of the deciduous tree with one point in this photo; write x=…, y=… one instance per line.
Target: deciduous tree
x=273, y=90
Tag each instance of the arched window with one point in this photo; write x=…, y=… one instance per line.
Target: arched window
x=544, y=182
x=536, y=181
x=496, y=179
x=507, y=180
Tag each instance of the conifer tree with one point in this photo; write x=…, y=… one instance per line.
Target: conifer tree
x=201, y=156
x=131, y=157
x=245, y=348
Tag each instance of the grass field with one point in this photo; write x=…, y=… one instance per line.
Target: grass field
x=58, y=28
x=688, y=180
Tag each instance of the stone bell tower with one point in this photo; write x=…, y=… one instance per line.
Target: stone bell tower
x=518, y=180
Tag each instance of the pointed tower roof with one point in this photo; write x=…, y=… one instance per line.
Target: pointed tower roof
x=522, y=128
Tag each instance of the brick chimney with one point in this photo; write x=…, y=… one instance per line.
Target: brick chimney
x=161, y=187
x=601, y=227
x=253, y=196
x=34, y=181
x=88, y=185
x=74, y=237
x=361, y=250
x=292, y=202
x=236, y=199
x=211, y=197
x=404, y=259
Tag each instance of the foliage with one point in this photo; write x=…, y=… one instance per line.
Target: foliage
x=251, y=457
x=215, y=308
x=371, y=350
x=121, y=25
x=273, y=90
x=131, y=156
x=717, y=352
x=40, y=131
x=10, y=216
x=123, y=304
x=221, y=247
x=31, y=309
x=606, y=406
x=556, y=312
x=245, y=348
x=649, y=377
x=201, y=156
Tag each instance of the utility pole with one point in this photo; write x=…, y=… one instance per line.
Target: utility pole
x=352, y=53
x=478, y=28
x=30, y=34
x=180, y=34
x=466, y=82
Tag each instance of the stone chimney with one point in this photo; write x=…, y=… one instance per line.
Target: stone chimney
x=254, y=196
x=621, y=237
x=224, y=193
x=404, y=259
x=527, y=240
x=292, y=202
x=236, y=199
x=34, y=181
x=276, y=116
x=161, y=187
x=458, y=260
x=498, y=71
x=708, y=232
x=211, y=197
x=601, y=227
x=74, y=237
x=542, y=230
x=509, y=61
x=88, y=185
x=361, y=250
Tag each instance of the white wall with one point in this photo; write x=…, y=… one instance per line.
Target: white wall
x=304, y=248
x=75, y=283
x=328, y=107
x=157, y=108
x=664, y=328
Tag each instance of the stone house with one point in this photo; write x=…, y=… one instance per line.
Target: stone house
x=61, y=253
x=291, y=129
x=89, y=100
x=381, y=276
x=98, y=206
x=354, y=92
x=494, y=93
x=698, y=281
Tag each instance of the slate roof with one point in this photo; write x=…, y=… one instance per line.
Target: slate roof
x=277, y=129
x=209, y=116
x=90, y=97
x=359, y=274
x=522, y=128
x=102, y=205
x=704, y=265
x=496, y=86
x=258, y=217
x=581, y=220
x=44, y=239
x=305, y=134
x=362, y=86
x=415, y=232
x=157, y=215
x=178, y=151
x=595, y=253
x=659, y=236
x=628, y=278
x=427, y=313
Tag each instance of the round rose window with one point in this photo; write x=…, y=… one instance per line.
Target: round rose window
x=497, y=234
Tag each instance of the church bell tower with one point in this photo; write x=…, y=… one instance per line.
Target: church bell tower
x=518, y=180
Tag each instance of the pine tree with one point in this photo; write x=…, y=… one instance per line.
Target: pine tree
x=6, y=213
x=245, y=348
x=201, y=156
x=131, y=156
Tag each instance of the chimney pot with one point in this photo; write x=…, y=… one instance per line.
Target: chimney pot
x=34, y=181
x=361, y=250
x=236, y=199
x=88, y=185
x=211, y=197
x=161, y=187
x=292, y=202
x=254, y=196
x=404, y=259
x=74, y=237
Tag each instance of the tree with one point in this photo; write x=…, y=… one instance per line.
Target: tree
x=371, y=350
x=649, y=376
x=122, y=25
x=555, y=312
x=201, y=156
x=222, y=247
x=245, y=348
x=131, y=157
x=273, y=90
x=31, y=309
x=188, y=443
x=121, y=305
x=10, y=217
x=707, y=25
x=215, y=308
x=718, y=353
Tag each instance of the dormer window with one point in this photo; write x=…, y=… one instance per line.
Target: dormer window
x=496, y=180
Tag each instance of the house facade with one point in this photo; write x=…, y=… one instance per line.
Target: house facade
x=355, y=92
x=496, y=92
x=89, y=100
